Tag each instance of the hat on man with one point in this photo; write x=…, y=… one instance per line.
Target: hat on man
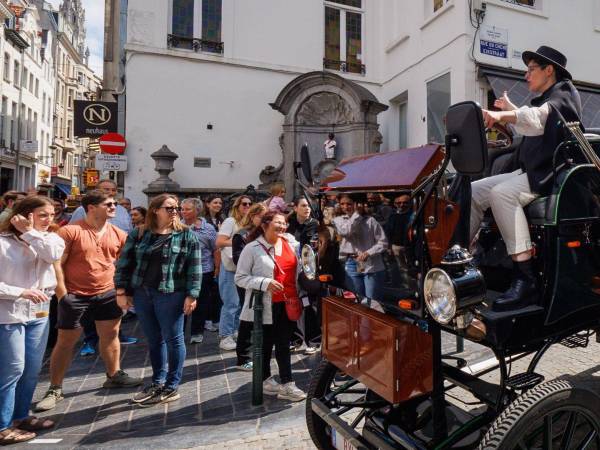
x=548, y=55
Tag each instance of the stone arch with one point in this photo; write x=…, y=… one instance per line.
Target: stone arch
x=317, y=103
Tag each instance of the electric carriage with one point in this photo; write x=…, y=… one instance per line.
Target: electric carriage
x=384, y=381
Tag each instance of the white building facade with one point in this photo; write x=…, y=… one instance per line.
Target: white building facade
x=26, y=119
x=201, y=75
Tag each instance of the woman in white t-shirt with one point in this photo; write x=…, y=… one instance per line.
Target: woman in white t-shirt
x=230, y=312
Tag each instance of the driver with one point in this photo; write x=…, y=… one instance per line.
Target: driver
x=508, y=193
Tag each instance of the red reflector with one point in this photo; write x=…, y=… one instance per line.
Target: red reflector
x=406, y=304
x=574, y=244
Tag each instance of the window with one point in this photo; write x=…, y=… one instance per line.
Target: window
x=437, y=4
x=30, y=83
x=402, y=125
x=211, y=25
x=25, y=74
x=35, y=126
x=183, y=22
x=438, y=101
x=344, y=36
x=3, y=122
x=44, y=107
x=37, y=87
x=16, y=73
x=6, y=67
x=69, y=128
x=531, y=3
x=13, y=125
x=70, y=98
x=196, y=25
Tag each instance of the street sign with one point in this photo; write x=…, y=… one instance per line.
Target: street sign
x=106, y=163
x=29, y=146
x=94, y=119
x=493, y=41
x=91, y=177
x=112, y=143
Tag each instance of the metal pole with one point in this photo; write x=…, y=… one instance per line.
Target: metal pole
x=19, y=124
x=460, y=344
x=256, y=302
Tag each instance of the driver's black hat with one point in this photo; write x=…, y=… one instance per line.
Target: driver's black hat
x=550, y=56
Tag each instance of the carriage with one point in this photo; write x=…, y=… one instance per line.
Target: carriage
x=384, y=381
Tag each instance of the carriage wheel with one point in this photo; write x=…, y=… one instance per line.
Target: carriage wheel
x=325, y=379
x=553, y=415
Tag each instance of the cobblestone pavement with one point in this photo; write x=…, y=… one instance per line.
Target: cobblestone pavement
x=215, y=411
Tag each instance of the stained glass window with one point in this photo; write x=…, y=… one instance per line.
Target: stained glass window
x=183, y=23
x=353, y=42
x=211, y=23
x=332, y=39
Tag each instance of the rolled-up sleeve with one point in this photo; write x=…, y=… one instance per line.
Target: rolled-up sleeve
x=381, y=242
x=49, y=246
x=243, y=274
x=531, y=120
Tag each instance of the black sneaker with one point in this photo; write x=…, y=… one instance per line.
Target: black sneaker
x=164, y=395
x=146, y=393
x=121, y=380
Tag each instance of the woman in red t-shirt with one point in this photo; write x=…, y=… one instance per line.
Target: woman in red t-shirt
x=269, y=263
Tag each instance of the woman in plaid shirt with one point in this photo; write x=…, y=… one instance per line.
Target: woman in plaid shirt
x=160, y=266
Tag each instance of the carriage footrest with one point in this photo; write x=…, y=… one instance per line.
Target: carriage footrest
x=576, y=340
x=523, y=381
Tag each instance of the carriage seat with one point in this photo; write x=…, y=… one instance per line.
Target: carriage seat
x=541, y=210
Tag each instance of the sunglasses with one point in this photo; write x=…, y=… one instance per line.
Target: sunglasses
x=401, y=203
x=246, y=204
x=110, y=204
x=171, y=209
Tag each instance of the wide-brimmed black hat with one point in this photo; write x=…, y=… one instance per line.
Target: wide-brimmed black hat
x=551, y=56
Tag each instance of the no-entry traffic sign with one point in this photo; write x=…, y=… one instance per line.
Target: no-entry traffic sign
x=112, y=143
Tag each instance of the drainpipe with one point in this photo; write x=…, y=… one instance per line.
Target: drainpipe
x=19, y=123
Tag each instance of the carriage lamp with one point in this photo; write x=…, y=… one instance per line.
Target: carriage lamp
x=308, y=259
x=450, y=289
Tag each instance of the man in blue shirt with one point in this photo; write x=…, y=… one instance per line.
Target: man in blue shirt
x=121, y=220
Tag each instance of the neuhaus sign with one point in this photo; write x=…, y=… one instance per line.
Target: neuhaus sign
x=94, y=119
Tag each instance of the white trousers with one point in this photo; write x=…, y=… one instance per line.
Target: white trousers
x=506, y=194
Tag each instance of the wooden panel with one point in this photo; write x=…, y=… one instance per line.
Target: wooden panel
x=389, y=356
x=401, y=169
x=447, y=214
x=376, y=352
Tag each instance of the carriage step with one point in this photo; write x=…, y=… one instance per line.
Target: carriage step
x=577, y=340
x=524, y=381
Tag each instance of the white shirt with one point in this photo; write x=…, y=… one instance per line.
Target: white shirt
x=531, y=120
x=228, y=228
x=26, y=265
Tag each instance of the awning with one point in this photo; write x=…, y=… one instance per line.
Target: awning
x=64, y=188
x=513, y=81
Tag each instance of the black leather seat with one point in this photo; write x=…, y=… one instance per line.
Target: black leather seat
x=541, y=210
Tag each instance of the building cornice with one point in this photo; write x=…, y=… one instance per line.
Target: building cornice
x=5, y=10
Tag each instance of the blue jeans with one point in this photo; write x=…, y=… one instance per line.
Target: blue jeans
x=365, y=284
x=230, y=312
x=22, y=347
x=161, y=318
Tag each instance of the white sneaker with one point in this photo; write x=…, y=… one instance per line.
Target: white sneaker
x=311, y=350
x=289, y=391
x=227, y=343
x=196, y=339
x=271, y=387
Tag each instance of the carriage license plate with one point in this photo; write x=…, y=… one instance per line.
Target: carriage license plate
x=340, y=442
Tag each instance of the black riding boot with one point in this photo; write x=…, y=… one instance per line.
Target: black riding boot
x=522, y=291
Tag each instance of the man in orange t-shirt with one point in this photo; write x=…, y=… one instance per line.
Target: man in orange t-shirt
x=92, y=246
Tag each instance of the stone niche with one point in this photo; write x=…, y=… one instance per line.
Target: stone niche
x=314, y=105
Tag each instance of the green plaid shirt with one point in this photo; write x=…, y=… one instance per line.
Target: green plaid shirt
x=181, y=264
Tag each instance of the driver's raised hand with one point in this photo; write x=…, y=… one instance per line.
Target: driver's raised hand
x=504, y=103
x=491, y=117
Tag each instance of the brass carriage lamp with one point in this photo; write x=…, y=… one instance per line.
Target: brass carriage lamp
x=451, y=289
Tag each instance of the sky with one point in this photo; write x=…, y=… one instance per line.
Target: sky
x=94, y=23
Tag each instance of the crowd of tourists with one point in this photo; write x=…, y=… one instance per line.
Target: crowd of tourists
x=67, y=275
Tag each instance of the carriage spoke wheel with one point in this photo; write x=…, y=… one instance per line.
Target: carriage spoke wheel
x=557, y=415
x=326, y=380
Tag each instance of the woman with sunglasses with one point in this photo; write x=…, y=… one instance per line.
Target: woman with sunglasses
x=230, y=312
x=160, y=266
x=28, y=253
x=269, y=263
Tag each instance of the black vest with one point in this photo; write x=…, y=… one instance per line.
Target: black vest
x=536, y=152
